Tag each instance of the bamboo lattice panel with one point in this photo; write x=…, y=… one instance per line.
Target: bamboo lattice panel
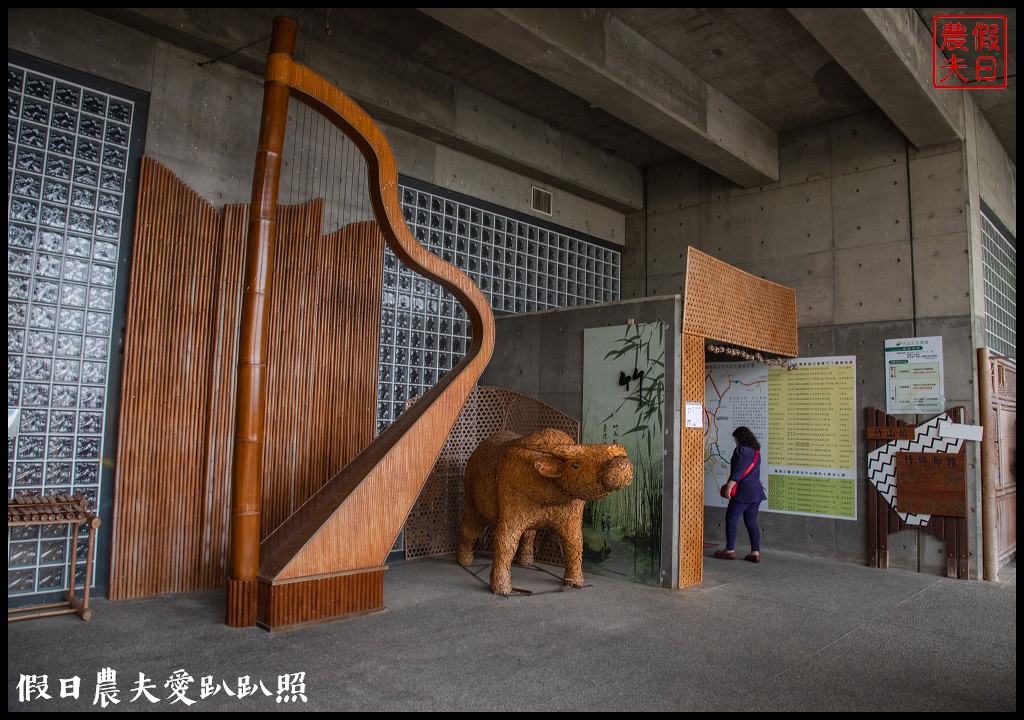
x=431, y=528
x=724, y=303
x=691, y=468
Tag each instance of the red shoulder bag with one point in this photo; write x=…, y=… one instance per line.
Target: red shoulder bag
x=757, y=454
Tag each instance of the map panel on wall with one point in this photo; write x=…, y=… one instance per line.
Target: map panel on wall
x=804, y=417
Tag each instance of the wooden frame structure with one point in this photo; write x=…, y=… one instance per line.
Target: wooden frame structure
x=884, y=521
x=997, y=391
x=70, y=510
x=327, y=559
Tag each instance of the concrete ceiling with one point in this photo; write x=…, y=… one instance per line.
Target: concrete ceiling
x=649, y=85
x=644, y=85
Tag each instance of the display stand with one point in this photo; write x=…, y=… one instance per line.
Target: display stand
x=70, y=510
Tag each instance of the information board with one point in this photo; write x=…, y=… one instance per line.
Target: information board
x=804, y=417
x=914, y=376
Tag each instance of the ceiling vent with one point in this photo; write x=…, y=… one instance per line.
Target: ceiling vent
x=541, y=200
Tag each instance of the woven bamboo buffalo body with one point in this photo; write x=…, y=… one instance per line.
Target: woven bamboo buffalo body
x=542, y=480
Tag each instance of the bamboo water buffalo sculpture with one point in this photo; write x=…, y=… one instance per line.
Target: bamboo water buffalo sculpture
x=524, y=483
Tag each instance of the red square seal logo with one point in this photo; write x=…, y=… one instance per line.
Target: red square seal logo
x=969, y=52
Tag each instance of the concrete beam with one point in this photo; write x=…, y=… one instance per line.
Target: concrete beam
x=595, y=56
x=403, y=94
x=888, y=52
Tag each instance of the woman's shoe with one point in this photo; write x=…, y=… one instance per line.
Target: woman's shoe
x=725, y=554
x=753, y=558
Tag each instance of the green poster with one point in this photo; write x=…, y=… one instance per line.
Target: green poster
x=624, y=404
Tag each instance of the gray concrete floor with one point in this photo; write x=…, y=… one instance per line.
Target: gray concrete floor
x=792, y=633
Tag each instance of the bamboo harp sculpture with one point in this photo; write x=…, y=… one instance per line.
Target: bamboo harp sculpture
x=326, y=560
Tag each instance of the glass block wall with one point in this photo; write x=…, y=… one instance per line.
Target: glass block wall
x=67, y=160
x=999, y=258
x=519, y=264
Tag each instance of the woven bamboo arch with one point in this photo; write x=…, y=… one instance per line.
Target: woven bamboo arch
x=726, y=304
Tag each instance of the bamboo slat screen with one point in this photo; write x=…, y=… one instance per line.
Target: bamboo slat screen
x=220, y=433
x=321, y=382
x=177, y=416
x=166, y=386
x=724, y=303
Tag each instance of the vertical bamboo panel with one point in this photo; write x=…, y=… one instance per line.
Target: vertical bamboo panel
x=159, y=483
x=289, y=605
x=172, y=513
x=221, y=424
x=691, y=468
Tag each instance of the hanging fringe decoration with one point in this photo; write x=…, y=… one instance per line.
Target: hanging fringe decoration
x=736, y=352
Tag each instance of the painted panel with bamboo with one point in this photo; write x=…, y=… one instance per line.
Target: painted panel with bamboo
x=724, y=303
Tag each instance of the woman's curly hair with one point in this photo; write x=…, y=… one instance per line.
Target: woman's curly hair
x=746, y=438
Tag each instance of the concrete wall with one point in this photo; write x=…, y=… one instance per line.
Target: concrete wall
x=878, y=241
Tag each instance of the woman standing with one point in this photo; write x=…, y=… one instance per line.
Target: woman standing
x=745, y=493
